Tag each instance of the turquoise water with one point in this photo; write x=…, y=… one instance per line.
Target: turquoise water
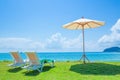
x=70, y=56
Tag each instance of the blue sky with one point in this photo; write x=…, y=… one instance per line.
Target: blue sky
x=40, y=22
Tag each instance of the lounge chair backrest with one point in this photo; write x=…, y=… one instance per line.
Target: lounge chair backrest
x=32, y=57
x=16, y=57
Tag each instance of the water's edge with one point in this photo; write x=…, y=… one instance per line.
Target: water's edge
x=69, y=56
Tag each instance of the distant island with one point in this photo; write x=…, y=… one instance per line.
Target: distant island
x=112, y=49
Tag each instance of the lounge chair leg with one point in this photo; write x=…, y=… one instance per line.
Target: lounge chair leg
x=52, y=65
x=39, y=70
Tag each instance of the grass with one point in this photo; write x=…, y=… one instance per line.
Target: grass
x=64, y=71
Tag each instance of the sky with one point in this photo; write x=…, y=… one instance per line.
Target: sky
x=36, y=25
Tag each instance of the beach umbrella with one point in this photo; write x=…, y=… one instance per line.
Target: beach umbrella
x=82, y=24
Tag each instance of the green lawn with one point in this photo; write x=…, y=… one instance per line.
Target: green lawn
x=64, y=71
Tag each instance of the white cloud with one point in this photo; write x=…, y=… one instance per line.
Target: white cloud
x=116, y=27
x=92, y=46
x=112, y=39
x=61, y=43
x=58, y=41
x=19, y=44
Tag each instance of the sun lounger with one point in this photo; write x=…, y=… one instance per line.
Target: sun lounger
x=18, y=61
x=51, y=62
x=35, y=63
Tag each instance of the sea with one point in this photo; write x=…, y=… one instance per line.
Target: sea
x=69, y=56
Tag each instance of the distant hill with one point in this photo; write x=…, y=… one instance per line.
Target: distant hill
x=112, y=49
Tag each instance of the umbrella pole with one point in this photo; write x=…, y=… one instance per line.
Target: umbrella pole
x=84, y=55
x=83, y=45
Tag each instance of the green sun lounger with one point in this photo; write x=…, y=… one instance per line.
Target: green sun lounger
x=43, y=61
